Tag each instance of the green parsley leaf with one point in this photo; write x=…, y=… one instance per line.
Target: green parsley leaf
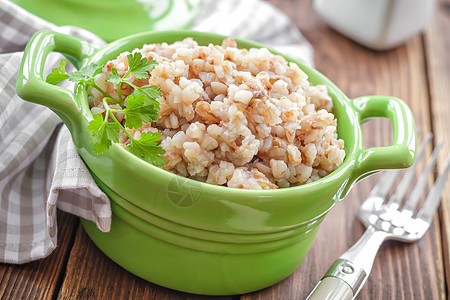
x=151, y=92
x=138, y=110
x=58, y=74
x=142, y=107
x=138, y=66
x=114, y=77
x=103, y=133
x=85, y=74
x=147, y=149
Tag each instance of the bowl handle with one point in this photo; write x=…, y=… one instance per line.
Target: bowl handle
x=31, y=85
x=401, y=153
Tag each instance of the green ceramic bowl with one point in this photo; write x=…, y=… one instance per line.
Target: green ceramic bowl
x=113, y=19
x=197, y=237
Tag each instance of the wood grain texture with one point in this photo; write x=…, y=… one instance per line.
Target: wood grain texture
x=40, y=279
x=92, y=275
x=437, y=45
x=401, y=271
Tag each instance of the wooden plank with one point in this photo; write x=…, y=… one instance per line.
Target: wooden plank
x=437, y=42
x=401, y=271
x=40, y=279
x=92, y=275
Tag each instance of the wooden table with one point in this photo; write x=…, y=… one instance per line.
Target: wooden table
x=418, y=72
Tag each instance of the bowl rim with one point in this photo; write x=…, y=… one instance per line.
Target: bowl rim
x=352, y=151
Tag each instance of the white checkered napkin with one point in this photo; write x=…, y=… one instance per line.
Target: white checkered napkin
x=258, y=21
x=40, y=169
x=16, y=25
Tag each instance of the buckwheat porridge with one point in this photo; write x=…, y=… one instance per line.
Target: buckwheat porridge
x=235, y=117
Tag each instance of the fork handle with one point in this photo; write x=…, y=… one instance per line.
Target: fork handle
x=331, y=288
x=349, y=272
x=342, y=281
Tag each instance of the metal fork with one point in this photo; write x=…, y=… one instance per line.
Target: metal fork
x=384, y=220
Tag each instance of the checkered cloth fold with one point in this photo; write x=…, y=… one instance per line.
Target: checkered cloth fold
x=40, y=169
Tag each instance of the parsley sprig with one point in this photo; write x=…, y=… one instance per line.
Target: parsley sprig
x=140, y=107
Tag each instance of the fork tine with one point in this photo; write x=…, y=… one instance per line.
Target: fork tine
x=413, y=200
x=384, y=184
x=431, y=204
x=400, y=192
x=377, y=195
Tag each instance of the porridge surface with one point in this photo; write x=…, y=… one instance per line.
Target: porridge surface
x=234, y=117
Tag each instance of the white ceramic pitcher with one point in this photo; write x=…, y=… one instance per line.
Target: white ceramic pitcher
x=377, y=24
